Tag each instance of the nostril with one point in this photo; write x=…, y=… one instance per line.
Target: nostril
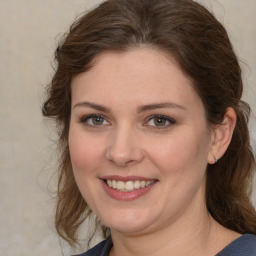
x=129, y=162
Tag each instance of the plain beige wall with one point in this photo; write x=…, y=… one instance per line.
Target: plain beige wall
x=29, y=29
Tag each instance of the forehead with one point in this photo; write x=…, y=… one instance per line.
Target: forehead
x=138, y=75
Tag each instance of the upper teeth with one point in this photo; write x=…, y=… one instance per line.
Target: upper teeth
x=129, y=185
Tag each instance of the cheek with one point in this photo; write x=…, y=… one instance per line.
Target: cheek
x=85, y=152
x=181, y=153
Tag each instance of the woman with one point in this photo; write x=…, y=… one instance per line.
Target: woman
x=153, y=134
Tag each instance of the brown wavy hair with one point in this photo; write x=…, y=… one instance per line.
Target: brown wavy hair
x=190, y=34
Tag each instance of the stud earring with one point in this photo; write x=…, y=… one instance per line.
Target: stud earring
x=216, y=159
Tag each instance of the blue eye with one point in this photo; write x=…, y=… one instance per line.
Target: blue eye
x=94, y=120
x=160, y=121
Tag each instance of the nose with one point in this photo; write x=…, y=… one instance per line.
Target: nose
x=124, y=147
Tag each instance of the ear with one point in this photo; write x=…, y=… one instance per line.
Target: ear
x=221, y=136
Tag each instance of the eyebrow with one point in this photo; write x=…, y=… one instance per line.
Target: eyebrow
x=159, y=105
x=140, y=109
x=92, y=105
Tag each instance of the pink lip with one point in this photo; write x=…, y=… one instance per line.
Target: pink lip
x=124, y=195
x=126, y=178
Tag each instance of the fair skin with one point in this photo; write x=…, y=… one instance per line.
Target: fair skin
x=136, y=119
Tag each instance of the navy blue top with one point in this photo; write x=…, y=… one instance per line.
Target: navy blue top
x=245, y=245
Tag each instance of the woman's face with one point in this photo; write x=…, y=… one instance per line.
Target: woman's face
x=139, y=141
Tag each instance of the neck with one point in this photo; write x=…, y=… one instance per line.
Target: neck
x=200, y=236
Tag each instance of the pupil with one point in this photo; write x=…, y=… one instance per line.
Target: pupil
x=97, y=120
x=159, y=121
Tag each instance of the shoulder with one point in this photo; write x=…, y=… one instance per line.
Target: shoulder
x=244, y=245
x=101, y=249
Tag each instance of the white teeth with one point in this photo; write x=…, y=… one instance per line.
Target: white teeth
x=137, y=184
x=120, y=185
x=129, y=185
x=114, y=184
x=148, y=183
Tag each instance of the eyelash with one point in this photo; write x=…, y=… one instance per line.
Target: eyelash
x=171, y=121
x=85, y=120
x=163, y=117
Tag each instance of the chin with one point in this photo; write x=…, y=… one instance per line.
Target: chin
x=128, y=222
x=128, y=228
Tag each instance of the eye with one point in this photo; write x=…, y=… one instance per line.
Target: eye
x=160, y=121
x=94, y=120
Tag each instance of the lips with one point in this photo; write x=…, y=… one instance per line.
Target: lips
x=128, y=185
x=127, y=188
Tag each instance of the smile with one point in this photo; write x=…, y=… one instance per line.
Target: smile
x=128, y=186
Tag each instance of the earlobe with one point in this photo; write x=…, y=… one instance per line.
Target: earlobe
x=221, y=136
